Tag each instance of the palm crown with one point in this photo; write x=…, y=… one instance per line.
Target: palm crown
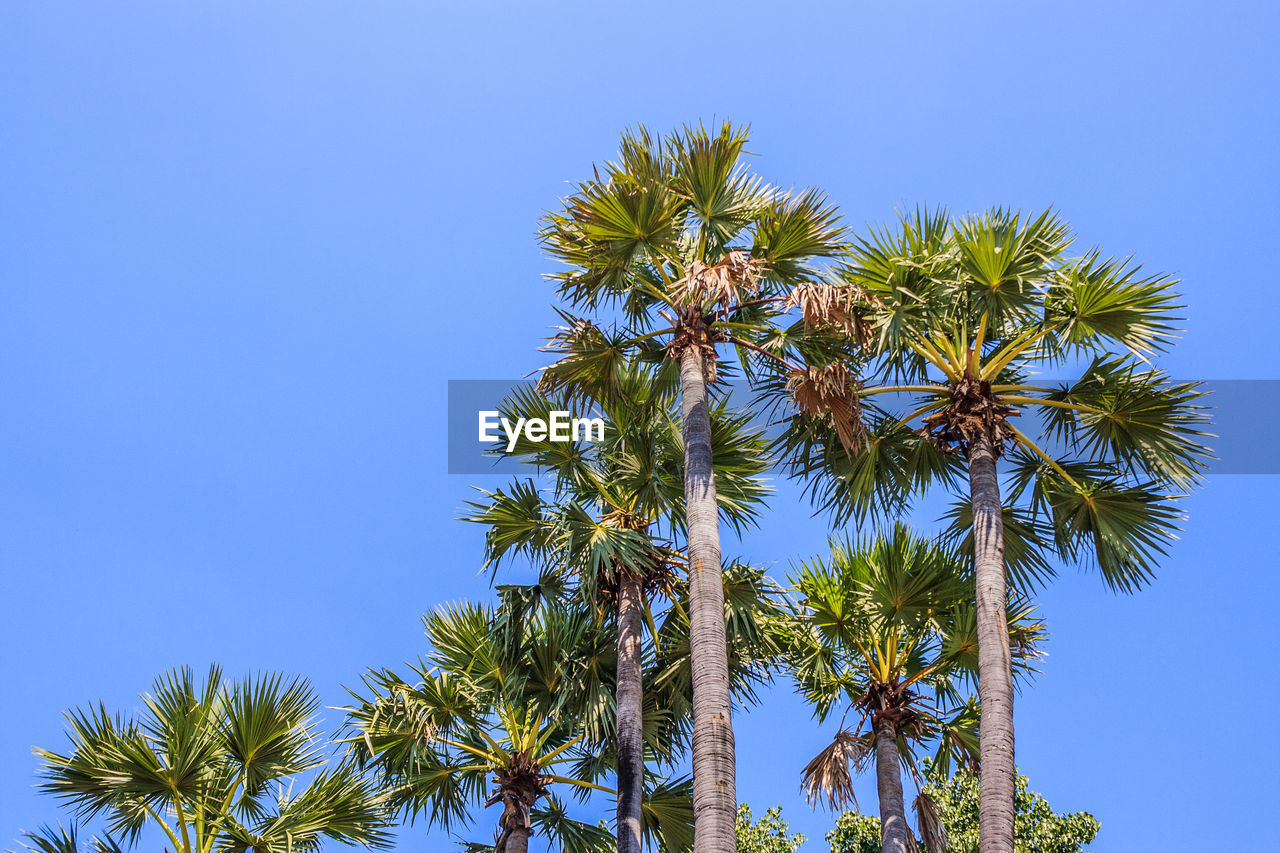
x=483, y=707
x=959, y=314
x=686, y=240
x=604, y=537
x=203, y=762
x=695, y=252
x=887, y=628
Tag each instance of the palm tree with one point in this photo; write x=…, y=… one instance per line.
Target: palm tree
x=204, y=762
x=694, y=251
x=481, y=706
x=520, y=750
x=522, y=704
x=602, y=520
x=751, y=611
x=886, y=627
x=957, y=314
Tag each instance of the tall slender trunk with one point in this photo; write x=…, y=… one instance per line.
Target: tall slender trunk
x=513, y=826
x=630, y=717
x=715, y=802
x=995, y=678
x=894, y=832
x=517, y=841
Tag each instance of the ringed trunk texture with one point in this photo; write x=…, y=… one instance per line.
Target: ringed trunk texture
x=995, y=677
x=894, y=832
x=630, y=702
x=715, y=801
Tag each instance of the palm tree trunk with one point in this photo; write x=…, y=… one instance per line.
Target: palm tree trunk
x=513, y=826
x=517, y=841
x=995, y=678
x=630, y=720
x=715, y=803
x=894, y=832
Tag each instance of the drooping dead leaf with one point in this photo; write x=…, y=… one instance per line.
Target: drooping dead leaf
x=723, y=283
x=830, y=306
x=929, y=822
x=830, y=391
x=829, y=776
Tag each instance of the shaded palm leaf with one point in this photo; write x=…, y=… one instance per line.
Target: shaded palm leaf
x=828, y=777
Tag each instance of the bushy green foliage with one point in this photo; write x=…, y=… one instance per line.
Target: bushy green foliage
x=768, y=835
x=855, y=833
x=1037, y=829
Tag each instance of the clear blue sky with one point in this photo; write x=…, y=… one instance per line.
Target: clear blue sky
x=245, y=245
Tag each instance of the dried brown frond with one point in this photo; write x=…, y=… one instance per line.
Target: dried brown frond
x=566, y=340
x=831, y=306
x=831, y=392
x=929, y=822
x=723, y=282
x=829, y=776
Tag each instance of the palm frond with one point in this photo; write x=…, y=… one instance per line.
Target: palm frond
x=1135, y=418
x=569, y=835
x=1096, y=301
x=828, y=777
x=667, y=815
x=929, y=822
x=62, y=839
x=1120, y=530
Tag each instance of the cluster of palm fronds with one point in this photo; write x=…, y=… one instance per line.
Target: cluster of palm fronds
x=211, y=764
x=894, y=363
x=900, y=361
